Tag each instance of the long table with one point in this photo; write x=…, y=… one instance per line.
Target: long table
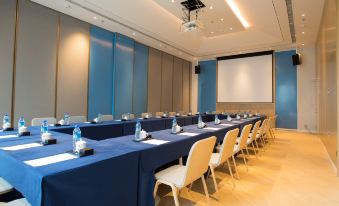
x=121, y=172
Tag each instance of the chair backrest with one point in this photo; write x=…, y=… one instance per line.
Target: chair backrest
x=106, y=117
x=255, y=130
x=159, y=114
x=131, y=116
x=263, y=127
x=244, y=136
x=198, y=159
x=226, y=150
x=77, y=119
x=172, y=114
x=143, y=115
x=40, y=120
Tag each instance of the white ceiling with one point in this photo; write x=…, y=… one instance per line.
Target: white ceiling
x=157, y=23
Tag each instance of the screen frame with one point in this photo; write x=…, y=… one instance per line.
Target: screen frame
x=239, y=56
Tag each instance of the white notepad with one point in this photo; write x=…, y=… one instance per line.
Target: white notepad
x=22, y=146
x=155, y=141
x=227, y=125
x=8, y=136
x=50, y=160
x=188, y=134
x=211, y=128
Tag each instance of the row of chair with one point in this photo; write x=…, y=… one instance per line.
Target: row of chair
x=201, y=157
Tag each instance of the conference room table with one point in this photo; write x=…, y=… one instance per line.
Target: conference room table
x=120, y=172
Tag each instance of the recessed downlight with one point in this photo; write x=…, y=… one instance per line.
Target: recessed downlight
x=231, y=28
x=211, y=7
x=134, y=33
x=94, y=17
x=212, y=32
x=303, y=32
x=303, y=15
x=221, y=19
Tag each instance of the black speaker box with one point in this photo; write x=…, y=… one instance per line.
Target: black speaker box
x=197, y=69
x=296, y=59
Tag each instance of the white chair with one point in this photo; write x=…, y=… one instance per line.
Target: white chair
x=131, y=116
x=18, y=202
x=172, y=114
x=40, y=120
x=261, y=134
x=226, y=151
x=5, y=187
x=77, y=119
x=252, y=138
x=179, y=176
x=143, y=115
x=159, y=114
x=242, y=142
x=106, y=117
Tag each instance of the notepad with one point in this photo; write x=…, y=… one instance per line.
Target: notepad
x=155, y=141
x=22, y=146
x=8, y=136
x=212, y=128
x=227, y=125
x=188, y=134
x=50, y=160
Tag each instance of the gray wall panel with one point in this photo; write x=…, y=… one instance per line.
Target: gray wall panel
x=154, y=81
x=186, y=86
x=167, y=82
x=73, y=67
x=7, y=27
x=36, y=61
x=177, y=84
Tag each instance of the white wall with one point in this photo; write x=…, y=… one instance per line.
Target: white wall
x=307, y=87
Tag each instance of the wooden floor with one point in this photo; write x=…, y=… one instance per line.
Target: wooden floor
x=293, y=171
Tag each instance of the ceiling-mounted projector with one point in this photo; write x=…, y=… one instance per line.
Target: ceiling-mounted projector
x=191, y=22
x=191, y=25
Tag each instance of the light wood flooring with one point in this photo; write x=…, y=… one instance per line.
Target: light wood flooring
x=295, y=170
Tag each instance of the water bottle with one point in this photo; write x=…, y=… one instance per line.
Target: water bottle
x=174, y=125
x=21, y=122
x=199, y=120
x=66, y=118
x=76, y=137
x=216, y=119
x=5, y=120
x=99, y=117
x=44, y=127
x=137, y=130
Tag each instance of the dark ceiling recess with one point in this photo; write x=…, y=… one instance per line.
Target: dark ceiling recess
x=192, y=5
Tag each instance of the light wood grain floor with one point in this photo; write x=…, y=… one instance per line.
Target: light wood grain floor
x=293, y=171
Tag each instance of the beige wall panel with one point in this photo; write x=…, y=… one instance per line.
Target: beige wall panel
x=186, y=86
x=177, y=85
x=7, y=27
x=36, y=61
x=154, y=81
x=167, y=82
x=73, y=67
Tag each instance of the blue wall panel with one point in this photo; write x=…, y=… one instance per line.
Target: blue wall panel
x=286, y=90
x=207, y=86
x=140, y=78
x=100, y=72
x=123, y=75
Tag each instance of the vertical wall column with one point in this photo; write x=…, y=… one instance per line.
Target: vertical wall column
x=166, y=82
x=7, y=38
x=35, y=61
x=207, y=86
x=100, y=89
x=154, y=80
x=73, y=60
x=177, y=84
x=186, y=77
x=123, y=75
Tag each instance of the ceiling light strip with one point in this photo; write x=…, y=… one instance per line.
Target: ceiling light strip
x=129, y=27
x=237, y=12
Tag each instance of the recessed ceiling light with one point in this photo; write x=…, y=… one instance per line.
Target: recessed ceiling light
x=172, y=1
x=134, y=33
x=231, y=28
x=212, y=32
x=237, y=12
x=303, y=15
x=221, y=19
x=211, y=7
x=94, y=17
x=160, y=44
x=303, y=32
x=302, y=44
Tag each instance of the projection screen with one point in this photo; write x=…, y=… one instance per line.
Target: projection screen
x=246, y=79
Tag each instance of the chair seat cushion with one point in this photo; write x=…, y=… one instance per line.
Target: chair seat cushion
x=18, y=202
x=174, y=175
x=215, y=159
x=5, y=186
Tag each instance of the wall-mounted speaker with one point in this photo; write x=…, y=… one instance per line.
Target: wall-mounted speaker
x=197, y=69
x=296, y=59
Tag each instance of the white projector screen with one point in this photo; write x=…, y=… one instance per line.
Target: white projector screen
x=246, y=79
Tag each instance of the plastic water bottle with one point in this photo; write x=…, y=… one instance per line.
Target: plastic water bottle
x=216, y=119
x=21, y=122
x=44, y=127
x=5, y=120
x=76, y=136
x=199, y=120
x=66, y=118
x=137, y=130
x=99, y=117
x=174, y=125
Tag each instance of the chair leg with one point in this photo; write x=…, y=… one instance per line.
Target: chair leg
x=254, y=149
x=235, y=167
x=175, y=195
x=205, y=189
x=231, y=172
x=156, y=188
x=181, y=161
x=248, y=154
x=244, y=158
x=214, y=180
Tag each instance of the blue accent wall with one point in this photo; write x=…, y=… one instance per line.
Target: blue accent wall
x=140, y=78
x=123, y=75
x=286, y=90
x=100, y=72
x=207, y=86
